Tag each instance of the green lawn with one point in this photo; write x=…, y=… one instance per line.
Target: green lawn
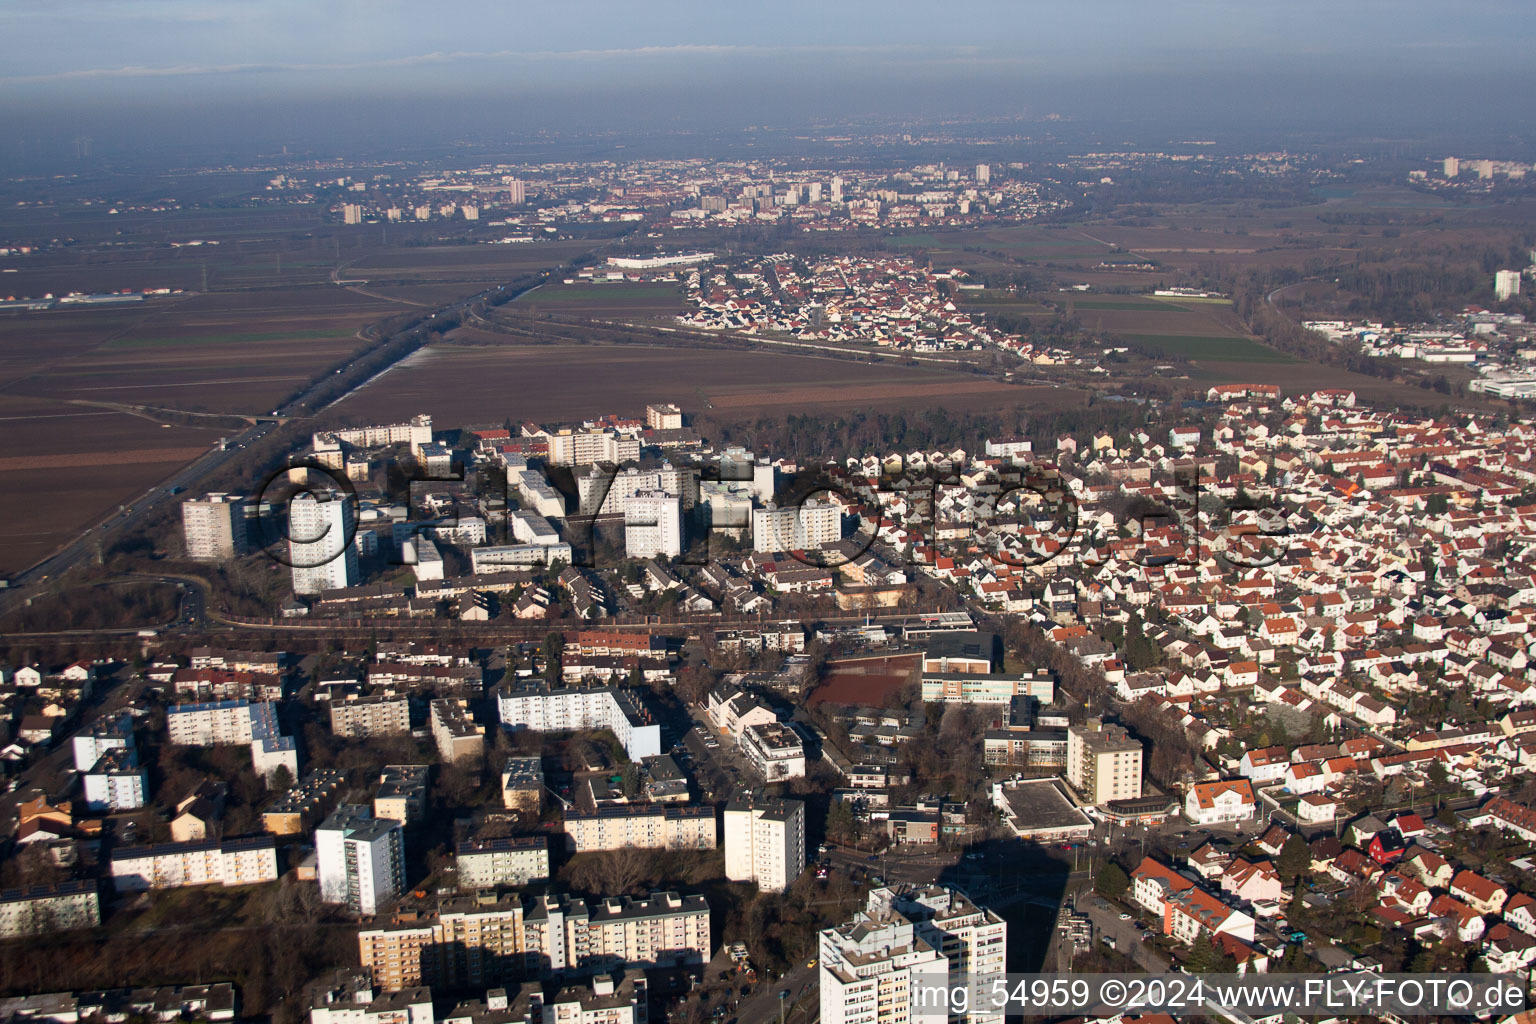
x=1189, y=346
x=1196, y=298
x=1131, y=304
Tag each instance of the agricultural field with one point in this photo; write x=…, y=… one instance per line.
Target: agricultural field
x=223, y=352
x=628, y=301
x=437, y=275
x=66, y=465
x=1210, y=347
x=561, y=382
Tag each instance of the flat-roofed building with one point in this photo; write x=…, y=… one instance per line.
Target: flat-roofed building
x=906, y=936
x=300, y=807
x=457, y=736
x=243, y=861
x=506, y=860
x=41, y=909
x=402, y=793
x=362, y=717
x=1103, y=762
x=117, y=782
x=796, y=527
x=647, y=826
x=765, y=841
x=469, y=942
x=218, y=723
x=961, y=651
x=538, y=707
x=213, y=528
x=664, y=416
x=775, y=750
x=522, y=785
x=360, y=860
x=987, y=687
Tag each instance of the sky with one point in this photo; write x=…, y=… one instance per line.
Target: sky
x=679, y=62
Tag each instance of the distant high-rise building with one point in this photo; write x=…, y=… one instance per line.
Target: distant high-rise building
x=517, y=192
x=1484, y=169
x=360, y=859
x=1506, y=284
x=352, y=213
x=837, y=189
x=320, y=548
x=813, y=192
x=653, y=525
x=983, y=173
x=765, y=841
x=470, y=212
x=214, y=528
x=663, y=417
x=1452, y=167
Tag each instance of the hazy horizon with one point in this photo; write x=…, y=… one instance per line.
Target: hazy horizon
x=258, y=75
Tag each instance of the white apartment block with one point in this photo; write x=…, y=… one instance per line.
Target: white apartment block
x=539, y=708
x=213, y=528
x=866, y=969
x=116, y=783
x=320, y=548
x=653, y=525
x=663, y=930
x=40, y=909
x=775, y=750
x=511, y=557
x=349, y=997
x=583, y=447
x=470, y=943
x=1103, y=762
x=245, y=861
x=797, y=527
x=534, y=490
x=507, y=860
x=906, y=936
x=972, y=938
x=603, y=490
x=765, y=841
x=360, y=859
x=648, y=826
x=416, y=433
x=362, y=717
x=1506, y=284
x=530, y=528
x=219, y=723
x=90, y=744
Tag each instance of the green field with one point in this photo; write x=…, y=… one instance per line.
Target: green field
x=1194, y=298
x=226, y=339
x=1190, y=346
x=602, y=294
x=1130, y=304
